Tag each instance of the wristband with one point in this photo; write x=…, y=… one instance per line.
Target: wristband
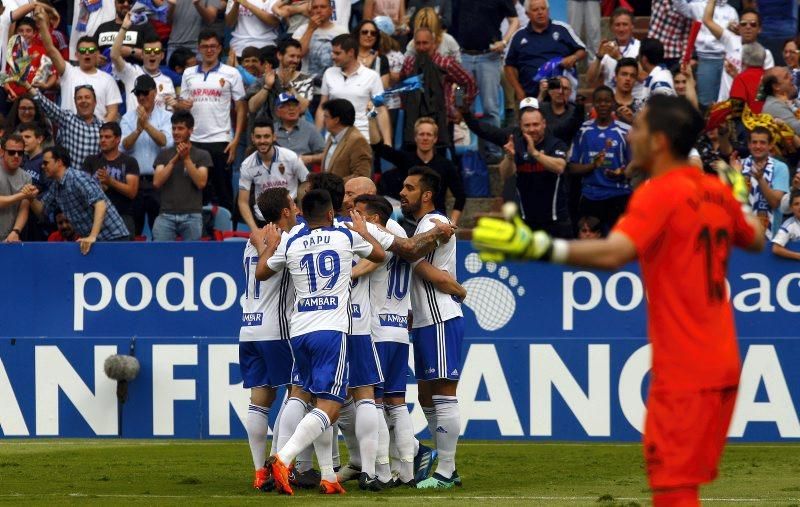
x=560, y=251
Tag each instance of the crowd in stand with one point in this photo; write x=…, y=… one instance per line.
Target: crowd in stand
x=126, y=122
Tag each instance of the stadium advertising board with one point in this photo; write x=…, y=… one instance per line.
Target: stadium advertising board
x=550, y=352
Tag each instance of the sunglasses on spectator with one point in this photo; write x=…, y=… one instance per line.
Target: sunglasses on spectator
x=152, y=51
x=81, y=87
x=15, y=153
x=90, y=50
x=369, y=32
x=752, y=24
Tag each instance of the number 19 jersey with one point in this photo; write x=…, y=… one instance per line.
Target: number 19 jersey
x=320, y=262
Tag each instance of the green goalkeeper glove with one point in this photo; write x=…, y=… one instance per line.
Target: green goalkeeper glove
x=497, y=240
x=735, y=180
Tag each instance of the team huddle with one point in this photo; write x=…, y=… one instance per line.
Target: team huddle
x=331, y=298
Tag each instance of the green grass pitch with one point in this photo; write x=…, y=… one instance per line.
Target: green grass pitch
x=167, y=472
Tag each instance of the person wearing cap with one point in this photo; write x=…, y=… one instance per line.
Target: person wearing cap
x=533, y=168
x=146, y=130
x=152, y=54
x=296, y=133
x=269, y=167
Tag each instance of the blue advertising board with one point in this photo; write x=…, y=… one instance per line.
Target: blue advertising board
x=551, y=352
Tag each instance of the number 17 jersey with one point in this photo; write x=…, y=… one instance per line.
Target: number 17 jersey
x=320, y=263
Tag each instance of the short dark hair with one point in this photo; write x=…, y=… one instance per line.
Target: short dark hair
x=346, y=41
x=759, y=129
x=13, y=137
x=87, y=39
x=331, y=183
x=768, y=84
x=184, y=117
x=621, y=11
x=316, y=204
x=262, y=121
x=289, y=43
x=750, y=10
x=342, y=109
x=252, y=52
x=593, y=223
x=272, y=201
x=677, y=119
x=180, y=57
x=602, y=89
x=626, y=62
x=36, y=127
x=113, y=127
x=27, y=22
x=59, y=153
x=653, y=49
x=84, y=87
x=794, y=194
x=151, y=38
x=376, y=204
x=209, y=33
x=430, y=181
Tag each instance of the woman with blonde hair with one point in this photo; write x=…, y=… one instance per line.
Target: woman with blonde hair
x=446, y=44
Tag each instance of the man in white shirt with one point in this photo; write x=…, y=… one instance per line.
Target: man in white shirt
x=659, y=78
x=152, y=55
x=253, y=23
x=749, y=28
x=357, y=84
x=86, y=73
x=624, y=45
x=315, y=37
x=269, y=167
x=208, y=91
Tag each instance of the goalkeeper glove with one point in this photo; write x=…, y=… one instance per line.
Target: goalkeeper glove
x=735, y=180
x=497, y=240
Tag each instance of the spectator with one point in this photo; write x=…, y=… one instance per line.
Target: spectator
x=209, y=90
x=86, y=22
x=779, y=90
x=253, y=24
x=78, y=133
x=442, y=8
x=33, y=138
x=25, y=110
x=187, y=18
x=394, y=9
x=789, y=230
x=81, y=199
x=15, y=190
x=65, y=232
x=26, y=28
x=625, y=78
x=791, y=56
x=603, y=68
x=589, y=228
x=746, y=84
x=350, y=79
x=181, y=172
x=768, y=177
x=533, y=46
x=584, y=16
x=779, y=22
x=477, y=30
x=369, y=49
x=749, y=28
x=293, y=13
x=671, y=28
x=710, y=51
x=444, y=43
x=563, y=116
x=146, y=130
x=441, y=77
x=684, y=83
x=715, y=144
x=347, y=152
x=152, y=54
x=132, y=38
x=659, y=79
x=296, y=133
x=104, y=87
x=601, y=152
x=117, y=173
x=426, y=133
x=270, y=166
x=180, y=60
x=263, y=94
x=315, y=38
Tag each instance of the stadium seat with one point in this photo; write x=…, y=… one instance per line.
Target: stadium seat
x=235, y=236
x=222, y=219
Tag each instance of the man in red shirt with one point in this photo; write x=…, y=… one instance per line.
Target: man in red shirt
x=745, y=85
x=681, y=225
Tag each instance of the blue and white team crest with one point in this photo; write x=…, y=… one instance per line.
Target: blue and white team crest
x=491, y=293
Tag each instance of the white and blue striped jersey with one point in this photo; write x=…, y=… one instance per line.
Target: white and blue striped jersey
x=267, y=305
x=390, y=301
x=789, y=232
x=428, y=304
x=658, y=82
x=320, y=262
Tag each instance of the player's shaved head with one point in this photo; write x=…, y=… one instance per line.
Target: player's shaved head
x=354, y=187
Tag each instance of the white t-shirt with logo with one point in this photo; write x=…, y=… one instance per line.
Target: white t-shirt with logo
x=284, y=170
x=212, y=93
x=128, y=75
x=789, y=231
x=733, y=54
x=358, y=89
x=390, y=300
x=251, y=31
x=104, y=86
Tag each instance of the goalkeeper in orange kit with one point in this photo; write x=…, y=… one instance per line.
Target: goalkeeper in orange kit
x=681, y=225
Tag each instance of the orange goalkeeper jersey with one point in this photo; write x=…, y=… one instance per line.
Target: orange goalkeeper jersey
x=684, y=224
